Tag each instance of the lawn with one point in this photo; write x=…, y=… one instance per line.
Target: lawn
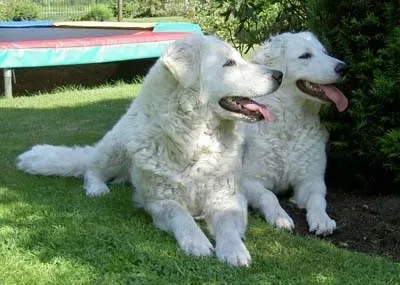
x=51, y=233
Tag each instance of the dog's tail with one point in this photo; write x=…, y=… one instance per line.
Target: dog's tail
x=55, y=160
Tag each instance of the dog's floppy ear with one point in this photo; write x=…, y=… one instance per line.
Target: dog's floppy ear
x=272, y=53
x=182, y=59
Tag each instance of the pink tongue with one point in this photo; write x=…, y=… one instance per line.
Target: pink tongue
x=336, y=96
x=260, y=108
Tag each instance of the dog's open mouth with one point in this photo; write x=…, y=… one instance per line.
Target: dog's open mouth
x=327, y=93
x=249, y=109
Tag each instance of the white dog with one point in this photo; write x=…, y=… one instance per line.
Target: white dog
x=289, y=152
x=179, y=145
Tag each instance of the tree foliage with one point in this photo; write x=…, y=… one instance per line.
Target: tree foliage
x=248, y=22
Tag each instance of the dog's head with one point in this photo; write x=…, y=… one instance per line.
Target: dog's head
x=306, y=66
x=223, y=82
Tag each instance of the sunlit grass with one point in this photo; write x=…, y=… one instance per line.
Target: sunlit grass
x=51, y=233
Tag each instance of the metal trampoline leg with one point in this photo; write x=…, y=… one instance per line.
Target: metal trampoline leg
x=7, y=72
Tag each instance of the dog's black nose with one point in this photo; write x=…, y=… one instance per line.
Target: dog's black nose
x=341, y=68
x=277, y=75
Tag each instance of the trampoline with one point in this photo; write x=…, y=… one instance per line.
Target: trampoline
x=42, y=43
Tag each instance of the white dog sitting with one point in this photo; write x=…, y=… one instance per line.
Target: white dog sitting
x=289, y=152
x=179, y=145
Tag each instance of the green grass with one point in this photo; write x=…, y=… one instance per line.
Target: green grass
x=51, y=233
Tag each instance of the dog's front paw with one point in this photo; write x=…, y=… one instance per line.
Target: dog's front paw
x=320, y=223
x=233, y=252
x=196, y=244
x=280, y=219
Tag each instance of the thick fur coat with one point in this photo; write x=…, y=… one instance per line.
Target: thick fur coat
x=179, y=148
x=289, y=152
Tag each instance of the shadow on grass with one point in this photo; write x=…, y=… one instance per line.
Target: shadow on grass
x=45, y=79
x=51, y=219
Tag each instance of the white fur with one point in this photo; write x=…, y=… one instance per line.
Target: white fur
x=177, y=146
x=290, y=151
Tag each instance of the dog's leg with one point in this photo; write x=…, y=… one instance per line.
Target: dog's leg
x=94, y=184
x=227, y=221
x=110, y=160
x=170, y=216
x=311, y=195
x=265, y=201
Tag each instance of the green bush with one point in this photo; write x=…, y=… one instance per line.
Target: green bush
x=98, y=13
x=366, y=139
x=248, y=22
x=19, y=10
x=3, y=11
x=139, y=8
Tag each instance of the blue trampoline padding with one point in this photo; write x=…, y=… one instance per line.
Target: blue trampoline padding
x=25, y=24
x=177, y=27
x=34, y=57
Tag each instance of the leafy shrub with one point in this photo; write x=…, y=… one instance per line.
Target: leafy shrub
x=98, y=13
x=365, y=140
x=139, y=8
x=3, y=11
x=249, y=22
x=19, y=10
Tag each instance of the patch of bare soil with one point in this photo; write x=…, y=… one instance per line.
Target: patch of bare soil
x=366, y=223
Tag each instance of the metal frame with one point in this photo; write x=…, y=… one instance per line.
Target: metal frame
x=7, y=73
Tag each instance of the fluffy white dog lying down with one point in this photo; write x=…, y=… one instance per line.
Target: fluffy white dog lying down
x=290, y=150
x=179, y=145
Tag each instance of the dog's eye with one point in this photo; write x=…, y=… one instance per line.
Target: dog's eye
x=229, y=62
x=305, y=55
